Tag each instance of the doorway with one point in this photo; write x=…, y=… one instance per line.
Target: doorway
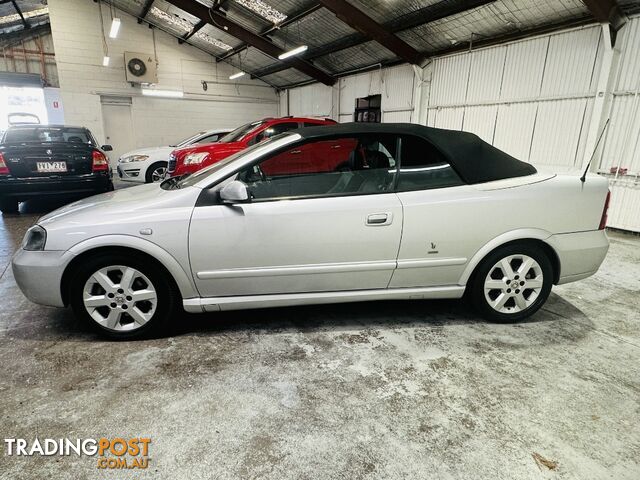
x=118, y=127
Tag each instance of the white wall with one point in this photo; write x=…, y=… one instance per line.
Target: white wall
x=75, y=26
x=396, y=85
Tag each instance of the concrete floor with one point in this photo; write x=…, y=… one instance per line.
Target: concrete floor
x=376, y=390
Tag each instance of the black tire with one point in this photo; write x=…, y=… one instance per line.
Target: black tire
x=153, y=167
x=168, y=297
x=476, y=287
x=9, y=205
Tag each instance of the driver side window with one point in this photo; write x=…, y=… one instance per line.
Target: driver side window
x=353, y=165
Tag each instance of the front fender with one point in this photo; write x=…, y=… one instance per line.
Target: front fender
x=183, y=279
x=510, y=236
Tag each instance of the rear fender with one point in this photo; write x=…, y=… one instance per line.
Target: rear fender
x=519, y=234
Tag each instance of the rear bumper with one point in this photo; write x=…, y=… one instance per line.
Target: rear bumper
x=25, y=188
x=580, y=254
x=39, y=275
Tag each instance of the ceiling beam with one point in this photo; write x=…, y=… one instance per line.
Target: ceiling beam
x=428, y=14
x=606, y=11
x=145, y=10
x=220, y=21
x=196, y=28
x=24, y=20
x=294, y=17
x=360, y=21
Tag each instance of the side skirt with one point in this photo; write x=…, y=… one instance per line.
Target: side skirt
x=215, y=304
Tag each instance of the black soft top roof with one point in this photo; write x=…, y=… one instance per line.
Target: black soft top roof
x=473, y=159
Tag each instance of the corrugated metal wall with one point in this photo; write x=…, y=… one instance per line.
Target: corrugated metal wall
x=396, y=85
x=531, y=98
x=621, y=150
x=534, y=99
x=34, y=55
x=312, y=100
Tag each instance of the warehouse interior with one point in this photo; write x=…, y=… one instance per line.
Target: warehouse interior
x=420, y=389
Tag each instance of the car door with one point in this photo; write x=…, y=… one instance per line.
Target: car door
x=306, y=230
x=441, y=229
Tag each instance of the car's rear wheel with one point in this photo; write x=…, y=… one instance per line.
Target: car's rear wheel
x=155, y=173
x=123, y=297
x=8, y=205
x=512, y=283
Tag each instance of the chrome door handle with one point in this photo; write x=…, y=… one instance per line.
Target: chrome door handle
x=295, y=152
x=379, y=219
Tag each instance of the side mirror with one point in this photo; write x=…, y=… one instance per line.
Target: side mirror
x=106, y=148
x=235, y=192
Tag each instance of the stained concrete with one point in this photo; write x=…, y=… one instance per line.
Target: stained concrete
x=384, y=390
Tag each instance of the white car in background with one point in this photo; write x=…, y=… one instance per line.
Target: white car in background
x=148, y=165
x=344, y=213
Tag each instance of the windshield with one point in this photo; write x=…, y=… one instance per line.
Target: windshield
x=189, y=180
x=188, y=140
x=49, y=134
x=240, y=132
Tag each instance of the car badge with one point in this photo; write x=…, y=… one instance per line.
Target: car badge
x=49, y=152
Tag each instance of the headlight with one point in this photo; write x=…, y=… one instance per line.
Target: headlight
x=195, y=158
x=35, y=238
x=134, y=158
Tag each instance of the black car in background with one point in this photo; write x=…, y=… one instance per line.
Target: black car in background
x=44, y=160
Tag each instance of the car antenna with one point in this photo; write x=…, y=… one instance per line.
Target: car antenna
x=595, y=149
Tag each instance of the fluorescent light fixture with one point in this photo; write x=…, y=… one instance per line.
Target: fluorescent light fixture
x=264, y=10
x=115, y=26
x=152, y=92
x=236, y=75
x=105, y=61
x=291, y=53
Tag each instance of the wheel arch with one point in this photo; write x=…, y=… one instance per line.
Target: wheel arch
x=530, y=236
x=132, y=246
x=151, y=165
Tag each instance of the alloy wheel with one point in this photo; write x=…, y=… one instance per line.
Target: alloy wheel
x=157, y=175
x=513, y=284
x=120, y=298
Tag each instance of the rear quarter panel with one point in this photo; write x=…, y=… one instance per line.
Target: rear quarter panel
x=444, y=230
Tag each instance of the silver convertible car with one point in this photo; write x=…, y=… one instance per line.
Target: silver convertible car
x=344, y=213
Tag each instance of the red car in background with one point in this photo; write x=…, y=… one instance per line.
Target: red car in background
x=193, y=158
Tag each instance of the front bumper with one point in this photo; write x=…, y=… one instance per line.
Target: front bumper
x=39, y=275
x=32, y=187
x=130, y=174
x=580, y=253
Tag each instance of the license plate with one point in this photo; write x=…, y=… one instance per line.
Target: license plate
x=48, y=167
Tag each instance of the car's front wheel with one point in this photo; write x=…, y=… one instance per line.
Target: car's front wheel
x=123, y=297
x=155, y=173
x=512, y=283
